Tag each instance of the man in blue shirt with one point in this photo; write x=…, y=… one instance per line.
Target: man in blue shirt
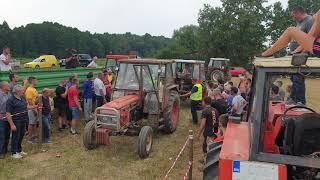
x=87, y=97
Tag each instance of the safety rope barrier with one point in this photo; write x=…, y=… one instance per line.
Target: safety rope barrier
x=16, y=114
x=188, y=174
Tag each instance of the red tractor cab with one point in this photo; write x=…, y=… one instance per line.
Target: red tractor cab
x=144, y=99
x=279, y=140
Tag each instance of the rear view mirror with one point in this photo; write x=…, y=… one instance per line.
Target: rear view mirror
x=299, y=59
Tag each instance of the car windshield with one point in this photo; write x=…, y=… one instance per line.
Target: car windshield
x=219, y=64
x=127, y=76
x=36, y=60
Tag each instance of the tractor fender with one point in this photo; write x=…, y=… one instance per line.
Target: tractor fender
x=167, y=91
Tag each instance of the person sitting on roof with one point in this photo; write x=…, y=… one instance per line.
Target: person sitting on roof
x=308, y=42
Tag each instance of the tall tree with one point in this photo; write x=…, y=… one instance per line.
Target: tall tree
x=234, y=31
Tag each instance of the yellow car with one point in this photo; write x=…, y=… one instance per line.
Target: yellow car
x=44, y=61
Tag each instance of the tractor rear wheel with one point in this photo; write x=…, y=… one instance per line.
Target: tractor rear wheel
x=172, y=111
x=89, y=136
x=145, y=142
x=217, y=76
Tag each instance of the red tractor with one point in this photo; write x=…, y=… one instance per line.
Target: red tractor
x=143, y=89
x=278, y=140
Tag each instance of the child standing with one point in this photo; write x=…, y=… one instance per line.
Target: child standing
x=46, y=111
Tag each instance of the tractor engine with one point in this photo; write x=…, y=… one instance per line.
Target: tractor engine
x=119, y=113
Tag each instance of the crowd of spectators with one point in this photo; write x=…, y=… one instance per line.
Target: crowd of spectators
x=22, y=107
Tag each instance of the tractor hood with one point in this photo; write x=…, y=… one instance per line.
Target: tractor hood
x=123, y=102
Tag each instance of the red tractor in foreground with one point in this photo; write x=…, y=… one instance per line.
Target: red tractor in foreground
x=278, y=140
x=144, y=99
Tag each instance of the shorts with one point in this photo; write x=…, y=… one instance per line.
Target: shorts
x=62, y=110
x=32, y=117
x=74, y=113
x=316, y=47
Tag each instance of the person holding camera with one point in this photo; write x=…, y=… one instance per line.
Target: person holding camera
x=72, y=59
x=5, y=59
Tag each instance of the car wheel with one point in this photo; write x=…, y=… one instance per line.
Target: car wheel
x=37, y=67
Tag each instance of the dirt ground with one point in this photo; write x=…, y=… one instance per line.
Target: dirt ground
x=66, y=157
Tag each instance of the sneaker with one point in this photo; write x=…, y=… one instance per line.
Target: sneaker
x=2, y=156
x=23, y=153
x=16, y=156
x=72, y=131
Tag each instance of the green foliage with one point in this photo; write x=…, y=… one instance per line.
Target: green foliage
x=33, y=40
x=185, y=45
x=311, y=6
x=234, y=31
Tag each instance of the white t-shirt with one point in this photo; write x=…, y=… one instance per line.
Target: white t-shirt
x=4, y=67
x=92, y=65
x=240, y=103
x=97, y=85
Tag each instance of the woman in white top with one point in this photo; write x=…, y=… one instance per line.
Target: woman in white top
x=93, y=63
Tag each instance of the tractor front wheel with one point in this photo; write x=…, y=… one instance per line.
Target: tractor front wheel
x=172, y=111
x=145, y=142
x=89, y=136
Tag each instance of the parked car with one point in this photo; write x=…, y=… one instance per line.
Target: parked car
x=84, y=59
x=236, y=71
x=44, y=61
x=15, y=64
x=62, y=62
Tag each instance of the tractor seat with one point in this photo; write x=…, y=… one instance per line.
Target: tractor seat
x=301, y=135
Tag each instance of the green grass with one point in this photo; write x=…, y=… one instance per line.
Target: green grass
x=117, y=161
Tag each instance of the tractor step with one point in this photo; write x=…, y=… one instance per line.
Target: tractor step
x=102, y=136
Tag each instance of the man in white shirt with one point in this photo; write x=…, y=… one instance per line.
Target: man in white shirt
x=5, y=59
x=238, y=102
x=93, y=63
x=99, y=90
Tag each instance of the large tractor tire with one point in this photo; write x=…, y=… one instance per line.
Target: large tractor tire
x=211, y=167
x=145, y=142
x=89, y=136
x=217, y=76
x=172, y=111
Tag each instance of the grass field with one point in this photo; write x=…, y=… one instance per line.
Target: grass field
x=117, y=161
x=66, y=158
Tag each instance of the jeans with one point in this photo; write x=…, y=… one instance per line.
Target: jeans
x=195, y=105
x=87, y=106
x=99, y=101
x=17, y=136
x=46, y=128
x=4, y=136
x=298, y=91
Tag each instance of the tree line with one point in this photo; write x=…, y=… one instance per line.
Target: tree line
x=238, y=30
x=33, y=40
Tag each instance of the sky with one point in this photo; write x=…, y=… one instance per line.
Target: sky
x=156, y=17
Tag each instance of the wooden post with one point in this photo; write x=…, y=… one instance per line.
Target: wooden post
x=40, y=119
x=190, y=154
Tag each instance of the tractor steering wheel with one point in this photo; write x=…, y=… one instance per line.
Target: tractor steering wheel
x=294, y=107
